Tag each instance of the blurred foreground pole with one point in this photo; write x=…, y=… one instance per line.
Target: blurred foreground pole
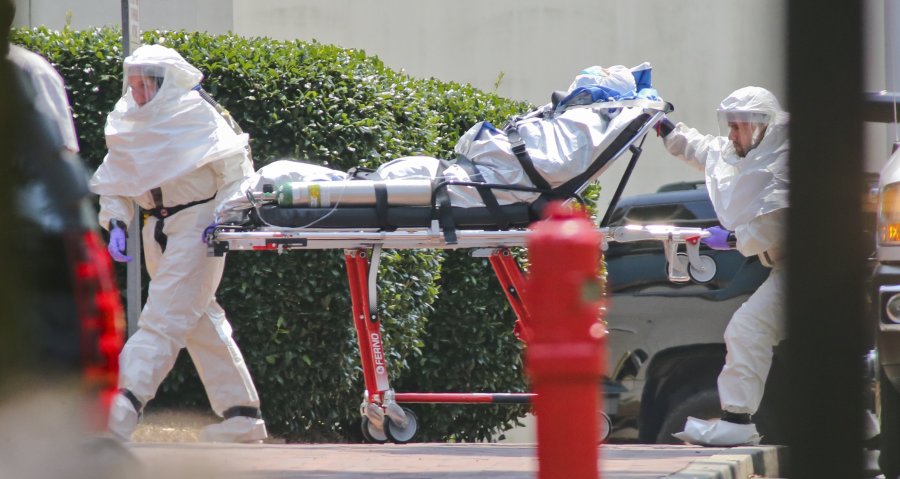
x=131, y=39
x=564, y=360
x=825, y=251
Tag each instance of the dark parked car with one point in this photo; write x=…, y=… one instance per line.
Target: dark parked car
x=885, y=292
x=665, y=343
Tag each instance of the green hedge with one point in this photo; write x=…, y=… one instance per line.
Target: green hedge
x=446, y=324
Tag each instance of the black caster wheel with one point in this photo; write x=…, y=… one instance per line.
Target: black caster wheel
x=399, y=435
x=371, y=433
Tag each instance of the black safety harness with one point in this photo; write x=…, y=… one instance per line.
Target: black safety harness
x=161, y=212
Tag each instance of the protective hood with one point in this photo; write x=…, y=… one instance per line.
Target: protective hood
x=742, y=188
x=755, y=100
x=173, y=133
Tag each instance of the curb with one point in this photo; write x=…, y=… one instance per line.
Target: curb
x=738, y=463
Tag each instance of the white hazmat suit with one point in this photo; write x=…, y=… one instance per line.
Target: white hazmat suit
x=50, y=91
x=176, y=157
x=750, y=195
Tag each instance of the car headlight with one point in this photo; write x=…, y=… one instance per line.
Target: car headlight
x=889, y=215
x=892, y=308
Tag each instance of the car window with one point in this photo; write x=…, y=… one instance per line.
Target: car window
x=691, y=213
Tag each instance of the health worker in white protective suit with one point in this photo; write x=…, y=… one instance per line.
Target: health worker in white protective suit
x=174, y=153
x=747, y=178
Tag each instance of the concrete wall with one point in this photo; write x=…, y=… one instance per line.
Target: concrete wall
x=214, y=16
x=524, y=49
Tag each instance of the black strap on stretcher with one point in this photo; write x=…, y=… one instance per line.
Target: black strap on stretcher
x=443, y=211
x=441, y=200
x=162, y=212
x=486, y=193
x=622, y=139
x=381, y=203
x=518, y=149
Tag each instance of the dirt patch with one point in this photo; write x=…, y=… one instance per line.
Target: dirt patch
x=172, y=426
x=169, y=425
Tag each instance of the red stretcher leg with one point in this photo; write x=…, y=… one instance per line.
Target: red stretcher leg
x=368, y=329
x=511, y=279
x=383, y=418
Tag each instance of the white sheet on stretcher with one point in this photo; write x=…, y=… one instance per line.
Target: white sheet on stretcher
x=561, y=144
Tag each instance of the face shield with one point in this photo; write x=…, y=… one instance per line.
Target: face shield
x=143, y=82
x=745, y=129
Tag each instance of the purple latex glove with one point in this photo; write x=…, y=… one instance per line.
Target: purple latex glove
x=116, y=246
x=718, y=238
x=664, y=127
x=206, y=232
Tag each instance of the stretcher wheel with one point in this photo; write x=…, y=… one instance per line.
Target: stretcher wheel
x=605, y=426
x=705, y=271
x=681, y=266
x=371, y=433
x=402, y=435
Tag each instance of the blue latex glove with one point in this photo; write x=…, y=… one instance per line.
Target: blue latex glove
x=117, y=244
x=206, y=231
x=718, y=238
x=648, y=94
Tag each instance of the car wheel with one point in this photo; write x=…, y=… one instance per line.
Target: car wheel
x=889, y=398
x=703, y=404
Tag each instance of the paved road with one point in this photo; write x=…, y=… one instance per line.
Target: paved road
x=442, y=461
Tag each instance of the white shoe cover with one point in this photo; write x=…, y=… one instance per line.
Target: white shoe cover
x=871, y=427
x=123, y=418
x=236, y=429
x=718, y=433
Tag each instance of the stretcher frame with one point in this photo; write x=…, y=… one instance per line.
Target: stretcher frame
x=383, y=419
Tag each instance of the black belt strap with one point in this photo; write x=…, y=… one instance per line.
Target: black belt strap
x=487, y=195
x=161, y=213
x=381, y=203
x=518, y=149
x=242, y=411
x=135, y=402
x=156, y=193
x=736, y=418
x=160, y=236
x=444, y=211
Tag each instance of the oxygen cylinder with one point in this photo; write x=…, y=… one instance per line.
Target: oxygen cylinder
x=326, y=194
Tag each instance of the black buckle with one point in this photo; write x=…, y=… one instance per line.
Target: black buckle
x=518, y=148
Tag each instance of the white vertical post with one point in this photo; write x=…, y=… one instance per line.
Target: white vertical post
x=131, y=39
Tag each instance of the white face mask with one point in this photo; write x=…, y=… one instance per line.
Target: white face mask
x=143, y=82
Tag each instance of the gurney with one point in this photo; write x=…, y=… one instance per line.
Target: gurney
x=296, y=216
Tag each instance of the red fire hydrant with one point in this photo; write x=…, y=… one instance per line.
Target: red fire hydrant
x=565, y=357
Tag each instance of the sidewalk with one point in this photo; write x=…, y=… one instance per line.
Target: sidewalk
x=445, y=461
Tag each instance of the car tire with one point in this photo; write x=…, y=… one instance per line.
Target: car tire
x=703, y=404
x=889, y=458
